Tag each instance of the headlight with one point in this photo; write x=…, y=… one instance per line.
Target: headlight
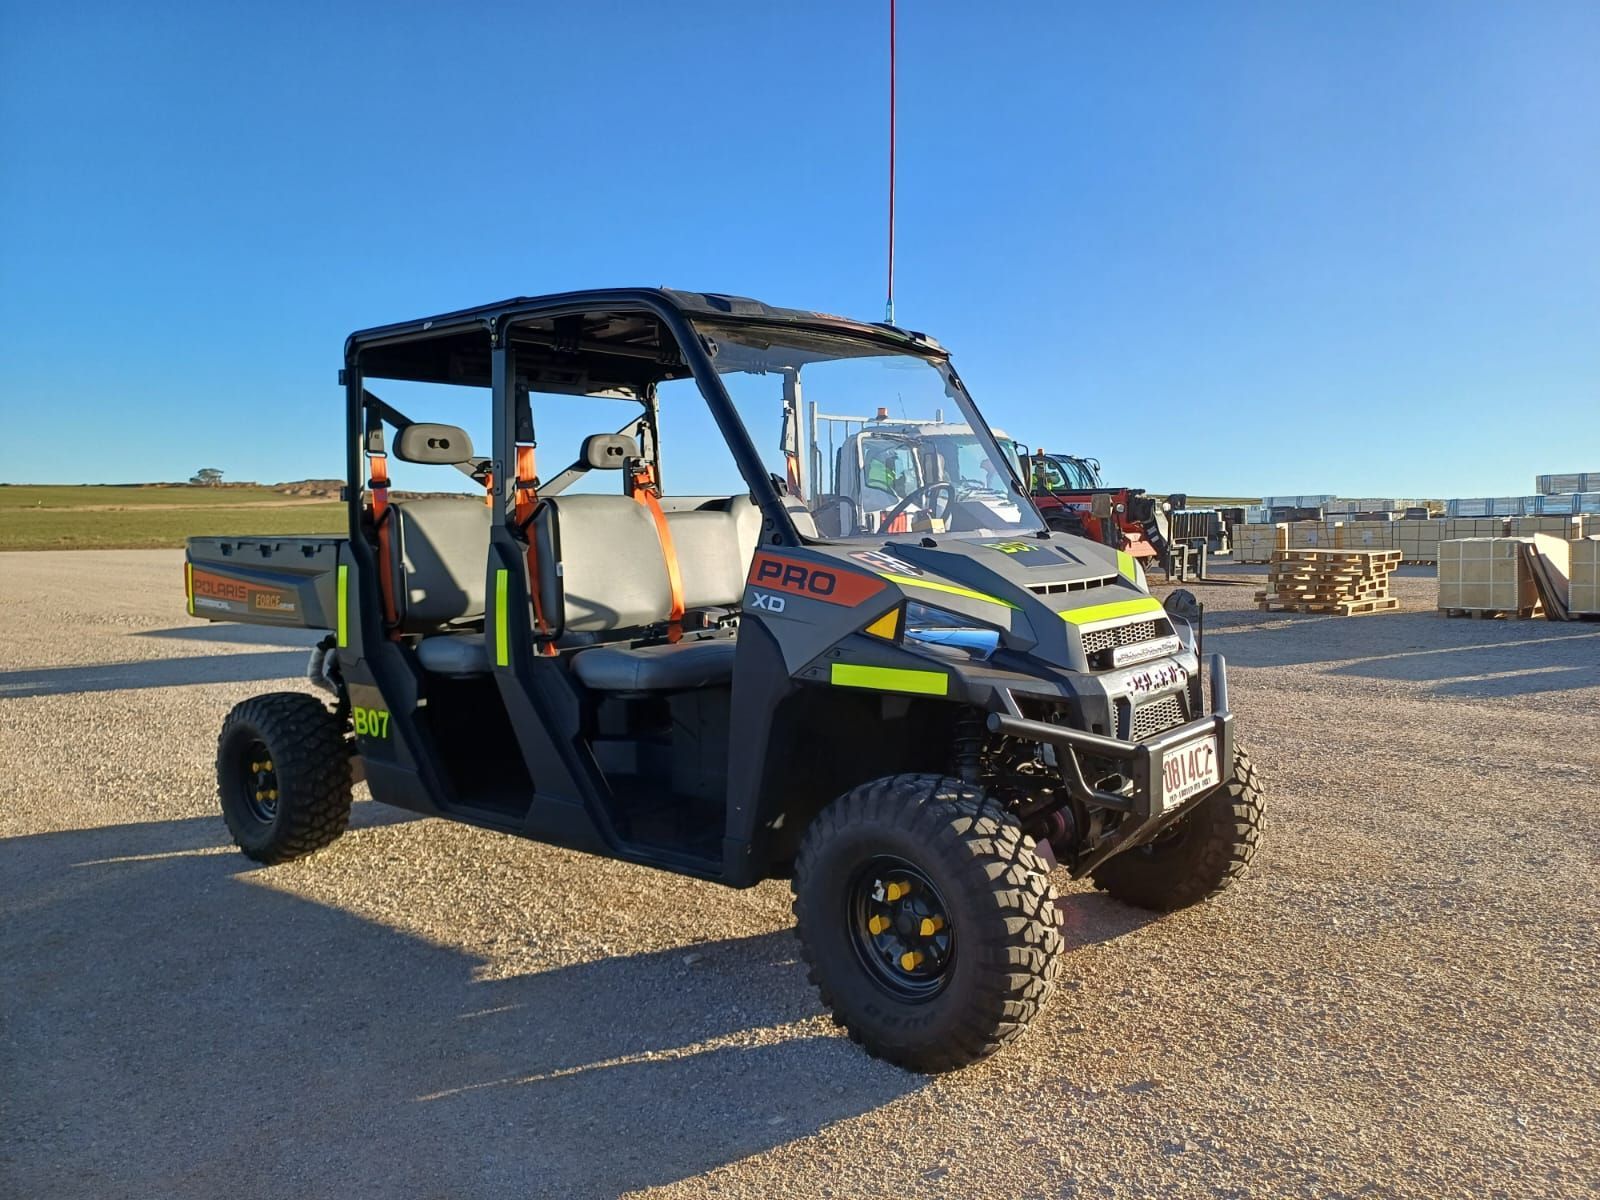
x=950, y=633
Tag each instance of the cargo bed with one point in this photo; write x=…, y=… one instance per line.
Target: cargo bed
x=285, y=581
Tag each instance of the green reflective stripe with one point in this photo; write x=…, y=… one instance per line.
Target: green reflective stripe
x=1106, y=612
x=344, y=606
x=1125, y=565
x=502, y=650
x=952, y=589
x=890, y=679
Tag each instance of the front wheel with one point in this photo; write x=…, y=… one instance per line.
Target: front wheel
x=283, y=776
x=928, y=922
x=1199, y=855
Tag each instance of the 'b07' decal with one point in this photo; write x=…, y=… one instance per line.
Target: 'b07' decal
x=812, y=580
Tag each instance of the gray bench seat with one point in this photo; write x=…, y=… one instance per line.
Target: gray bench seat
x=668, y=667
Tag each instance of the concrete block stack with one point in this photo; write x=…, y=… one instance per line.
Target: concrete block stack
x=1418, y=541
x=1486, y=576
x=1583, y=578
x=1255, y=543
x=1369, y=535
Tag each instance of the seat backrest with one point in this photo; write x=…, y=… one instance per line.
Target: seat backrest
x=600, y=563
x=440, y=554
x=711, y=560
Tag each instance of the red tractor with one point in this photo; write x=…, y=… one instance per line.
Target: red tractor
x=1072, y=499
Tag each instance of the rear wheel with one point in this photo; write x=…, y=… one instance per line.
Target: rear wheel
x=283, y=776
x=928, y=922
x=1200, y=855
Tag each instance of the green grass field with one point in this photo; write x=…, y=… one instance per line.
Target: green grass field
x=108, y=517
x=99, y=517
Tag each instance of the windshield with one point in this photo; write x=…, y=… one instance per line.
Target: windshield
x=868, y=440
x=1059, y=473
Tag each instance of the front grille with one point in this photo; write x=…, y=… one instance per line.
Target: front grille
x=1071, y=585
x=1152, y=717
x=1131, y=634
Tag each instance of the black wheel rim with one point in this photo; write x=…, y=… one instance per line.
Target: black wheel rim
x=259, y=779
x=900, y=928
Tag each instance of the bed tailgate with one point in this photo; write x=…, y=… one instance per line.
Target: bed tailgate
x=292, y=581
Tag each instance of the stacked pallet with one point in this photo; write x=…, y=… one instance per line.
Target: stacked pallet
x=1486, y=577
x=1418, y=541
x=1342, y=582
x=1255, y=543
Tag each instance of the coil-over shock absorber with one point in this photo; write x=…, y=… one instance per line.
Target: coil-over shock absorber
x=967, y=746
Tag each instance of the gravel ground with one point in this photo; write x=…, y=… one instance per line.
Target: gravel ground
x=1399, y=1000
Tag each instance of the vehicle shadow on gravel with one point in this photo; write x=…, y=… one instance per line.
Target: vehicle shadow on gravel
x=1091, y=917
x=239, y=635
x=180, y=1026
x=151, y=673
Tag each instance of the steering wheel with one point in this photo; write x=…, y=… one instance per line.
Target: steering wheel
x=926, y=492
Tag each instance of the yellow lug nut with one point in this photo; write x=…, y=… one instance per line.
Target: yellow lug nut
x=931, y=925
x=896, y=890
x=877, y=925
x=911, y=960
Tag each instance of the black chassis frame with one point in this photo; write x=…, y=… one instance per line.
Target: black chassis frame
x=568, y=806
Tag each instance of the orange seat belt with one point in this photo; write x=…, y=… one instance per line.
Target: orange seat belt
x=378, y=482
x=642, y=485
x=527, y=504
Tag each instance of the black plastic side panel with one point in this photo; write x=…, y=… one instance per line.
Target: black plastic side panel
x=760, y=684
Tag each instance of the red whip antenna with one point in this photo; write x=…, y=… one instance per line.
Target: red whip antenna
x=888, y=308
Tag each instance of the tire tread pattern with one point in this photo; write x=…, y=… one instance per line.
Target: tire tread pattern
x=311, y=758
x=982, y=842
x=1226, y=826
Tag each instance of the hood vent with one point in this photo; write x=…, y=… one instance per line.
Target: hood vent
x=1072, y=585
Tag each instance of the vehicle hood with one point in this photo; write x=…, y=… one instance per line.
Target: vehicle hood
x=1039, y=591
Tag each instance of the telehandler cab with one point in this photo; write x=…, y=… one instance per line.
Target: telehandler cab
x=914, y=728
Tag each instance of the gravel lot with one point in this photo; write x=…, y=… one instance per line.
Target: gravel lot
x=1401, y=999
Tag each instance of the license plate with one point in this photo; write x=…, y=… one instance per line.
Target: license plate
x=1188, y=770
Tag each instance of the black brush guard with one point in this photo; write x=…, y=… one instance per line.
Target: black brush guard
x=1146, y=800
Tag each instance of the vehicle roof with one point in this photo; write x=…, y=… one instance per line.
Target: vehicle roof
x=457, y=353
x=922, y=429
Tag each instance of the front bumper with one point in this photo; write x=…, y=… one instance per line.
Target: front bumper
x=1145, y=800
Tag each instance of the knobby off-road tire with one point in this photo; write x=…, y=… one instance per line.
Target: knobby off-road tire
x=283, y=776
x=1200, y=855
x=962, y=850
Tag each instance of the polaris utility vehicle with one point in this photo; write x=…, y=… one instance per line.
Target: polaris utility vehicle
x=915, y=728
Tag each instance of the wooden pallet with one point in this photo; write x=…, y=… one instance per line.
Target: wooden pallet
x=1340, y=608
x=1332, y=576
x=1490, y=614
x=1312, y=554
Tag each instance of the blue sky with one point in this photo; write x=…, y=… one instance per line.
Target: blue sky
x=1237, y=249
